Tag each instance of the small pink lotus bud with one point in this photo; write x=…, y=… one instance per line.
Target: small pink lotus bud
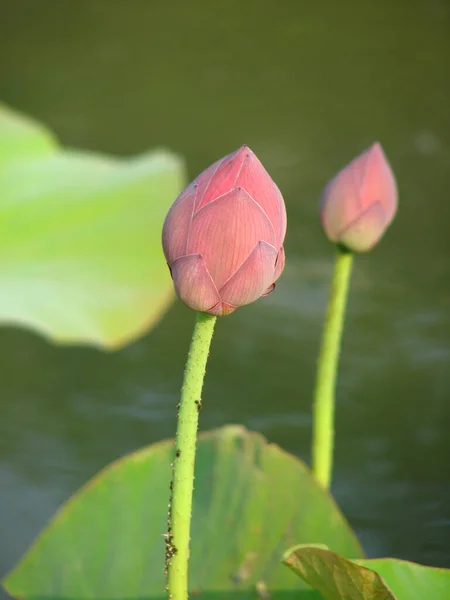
x=223, y=236
x=359, y=203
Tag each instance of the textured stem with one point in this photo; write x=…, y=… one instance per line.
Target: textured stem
x=324, y=395
x=180, y=505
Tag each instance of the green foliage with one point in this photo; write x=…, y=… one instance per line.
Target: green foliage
x=80, y=250
x=337, y=578
x=251, y=501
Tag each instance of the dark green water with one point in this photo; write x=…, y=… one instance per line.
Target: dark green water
x=307, y=85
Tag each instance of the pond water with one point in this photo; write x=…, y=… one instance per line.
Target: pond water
x=307, y=86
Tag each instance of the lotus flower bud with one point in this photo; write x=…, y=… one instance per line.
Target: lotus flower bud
x=360, y=202
x=223, y=236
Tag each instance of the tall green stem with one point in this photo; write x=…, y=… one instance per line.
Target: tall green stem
x=324, y=395
x=180, y=504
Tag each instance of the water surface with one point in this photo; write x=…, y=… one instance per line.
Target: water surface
x=306, y=86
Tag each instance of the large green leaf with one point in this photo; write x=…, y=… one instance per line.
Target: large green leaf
x=337, y=578
x=80, y=247
x=252, y=500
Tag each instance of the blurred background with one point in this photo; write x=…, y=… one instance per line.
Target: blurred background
x=307, y=85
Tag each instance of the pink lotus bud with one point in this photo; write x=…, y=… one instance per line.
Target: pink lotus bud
x=223, y=236
x=360, y=202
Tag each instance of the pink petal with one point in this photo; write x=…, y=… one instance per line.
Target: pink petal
x=340, y=202
x=378, y=184
x=252, y=278
x=365, y=231
x=176, y=226
x=279, y=268
x=203, y=180
x=269, y=290
x=257, y=182
x=226, y=231
x=367, y=181
x=279, y=265
x=221, y=309
x=220, y=178
x=193, y=283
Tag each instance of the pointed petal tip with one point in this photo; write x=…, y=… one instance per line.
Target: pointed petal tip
x=385, y=173
x=376, y=148
x=244, y=150
x=376, y=151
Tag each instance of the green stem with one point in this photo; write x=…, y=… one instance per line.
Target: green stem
x=180, y=505
x=324, y=395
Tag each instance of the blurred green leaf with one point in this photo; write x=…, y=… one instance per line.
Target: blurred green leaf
x=410, y=581
x=251, y=501
x=337, y=578
x=80, y=244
